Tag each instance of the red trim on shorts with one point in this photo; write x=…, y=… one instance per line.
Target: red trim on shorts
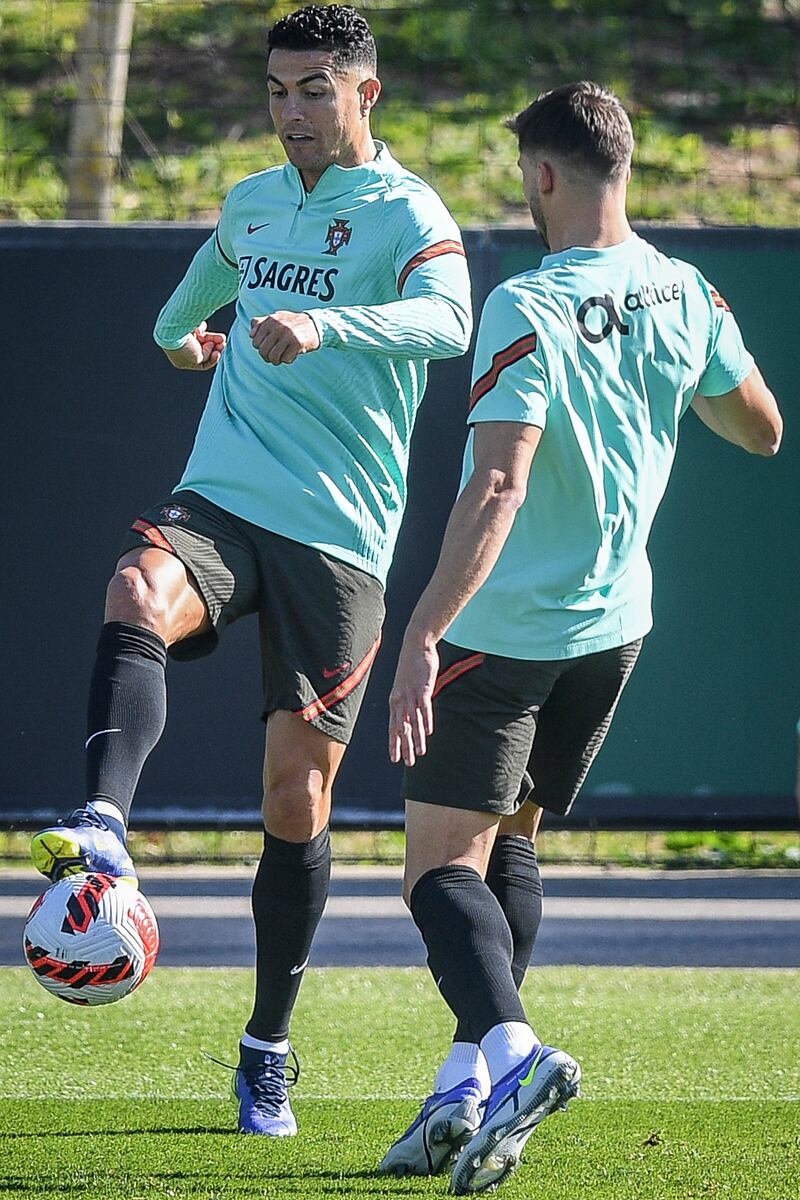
x=153, y=534
x=457, y=669
x=504, y=358
x=447, y=247
x=321, y=705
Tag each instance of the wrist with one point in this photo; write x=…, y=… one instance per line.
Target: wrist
x=178, y=344
x=316, y=320
x=420, y=638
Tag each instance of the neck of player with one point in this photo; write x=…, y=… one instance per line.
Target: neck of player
x=589, y=222
x=355, y=155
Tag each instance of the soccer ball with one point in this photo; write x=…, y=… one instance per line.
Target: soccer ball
x=91, y=939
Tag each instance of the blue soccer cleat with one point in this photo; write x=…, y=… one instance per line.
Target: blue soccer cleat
x=259, y=1084
x=83, y=842
x=446, y=1123
x=543, y=1082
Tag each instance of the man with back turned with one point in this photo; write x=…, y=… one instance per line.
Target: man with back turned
x=583, y=369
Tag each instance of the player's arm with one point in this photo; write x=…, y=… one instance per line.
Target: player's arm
x=732, y=398
x=433, y=318
x=181, y=330
x=476, y=532
x=509, y=401
x=748, y=415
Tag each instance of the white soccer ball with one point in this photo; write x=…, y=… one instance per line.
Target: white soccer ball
x=91, y=939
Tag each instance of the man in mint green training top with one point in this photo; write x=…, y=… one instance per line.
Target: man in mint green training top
x=348, y=273
x=583, y=369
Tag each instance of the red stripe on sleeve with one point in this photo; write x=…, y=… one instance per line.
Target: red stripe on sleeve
x=504, y=358
x=446, y=247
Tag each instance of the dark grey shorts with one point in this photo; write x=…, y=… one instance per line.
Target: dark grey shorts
x=507, y=730
x=319, y=619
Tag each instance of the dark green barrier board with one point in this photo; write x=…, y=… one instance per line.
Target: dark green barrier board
x=98, y=427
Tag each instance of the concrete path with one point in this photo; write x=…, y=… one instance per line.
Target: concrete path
x=593, y=916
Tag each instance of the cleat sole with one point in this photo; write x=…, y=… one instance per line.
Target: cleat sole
x=440, y=1143
x=499, y=1151
x=50, y=849
x=57, y=854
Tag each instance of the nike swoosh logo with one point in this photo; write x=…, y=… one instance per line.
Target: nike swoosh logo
x=336, y=670
x=529, y=1077
x=255, y=228
x=100, y=733
x=302, y=967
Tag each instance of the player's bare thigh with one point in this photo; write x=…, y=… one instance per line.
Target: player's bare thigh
x=152, y=588
x=438, y=836
x=300, y=765
x=523, y=823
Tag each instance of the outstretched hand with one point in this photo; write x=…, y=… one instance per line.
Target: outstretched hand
x=411, y=702
x=284, y=336
x=201, y=352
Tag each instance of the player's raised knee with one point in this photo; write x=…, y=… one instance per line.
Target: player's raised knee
x=135, y=596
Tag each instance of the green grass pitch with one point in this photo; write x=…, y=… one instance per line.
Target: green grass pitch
x=691, y=1083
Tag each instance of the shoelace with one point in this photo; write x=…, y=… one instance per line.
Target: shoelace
x=267, y=1080
x=84, y=816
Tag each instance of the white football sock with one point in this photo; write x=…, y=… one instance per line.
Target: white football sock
x=107, y=809
x=112, y=814
x=506, y=1045
x=252, y=1043
x=465, y=1061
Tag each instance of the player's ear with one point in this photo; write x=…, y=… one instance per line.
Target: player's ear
x=544, y=177
x=368, y=90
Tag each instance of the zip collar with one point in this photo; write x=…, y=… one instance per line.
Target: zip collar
x=337, y=182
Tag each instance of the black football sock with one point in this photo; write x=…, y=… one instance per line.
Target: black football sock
x=513, y=877
x=469, y=948
x=289, y=894
x=126, y=712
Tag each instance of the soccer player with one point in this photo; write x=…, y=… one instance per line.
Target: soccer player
x=349, y=274
x=583, y=370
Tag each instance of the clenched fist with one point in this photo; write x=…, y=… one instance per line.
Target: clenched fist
x=200, y=353
x=283, y=336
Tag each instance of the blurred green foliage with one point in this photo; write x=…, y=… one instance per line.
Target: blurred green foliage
x=712, y=86
x=676, y=850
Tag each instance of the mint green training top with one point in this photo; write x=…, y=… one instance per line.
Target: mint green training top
x=318, y=450
x=603, y=350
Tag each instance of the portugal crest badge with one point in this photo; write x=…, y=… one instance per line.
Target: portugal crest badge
x=339, y=234
x=175, y=512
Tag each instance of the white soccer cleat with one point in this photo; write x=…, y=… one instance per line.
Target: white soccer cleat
x=444, y=1126
x=544, y=1081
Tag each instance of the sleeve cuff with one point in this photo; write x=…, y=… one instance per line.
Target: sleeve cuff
x=322, y=326
x=172, y=343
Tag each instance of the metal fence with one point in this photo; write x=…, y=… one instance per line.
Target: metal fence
x=713, y=87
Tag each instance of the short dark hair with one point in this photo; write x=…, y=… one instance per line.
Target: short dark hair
x=334, y=27
x=581, y=122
